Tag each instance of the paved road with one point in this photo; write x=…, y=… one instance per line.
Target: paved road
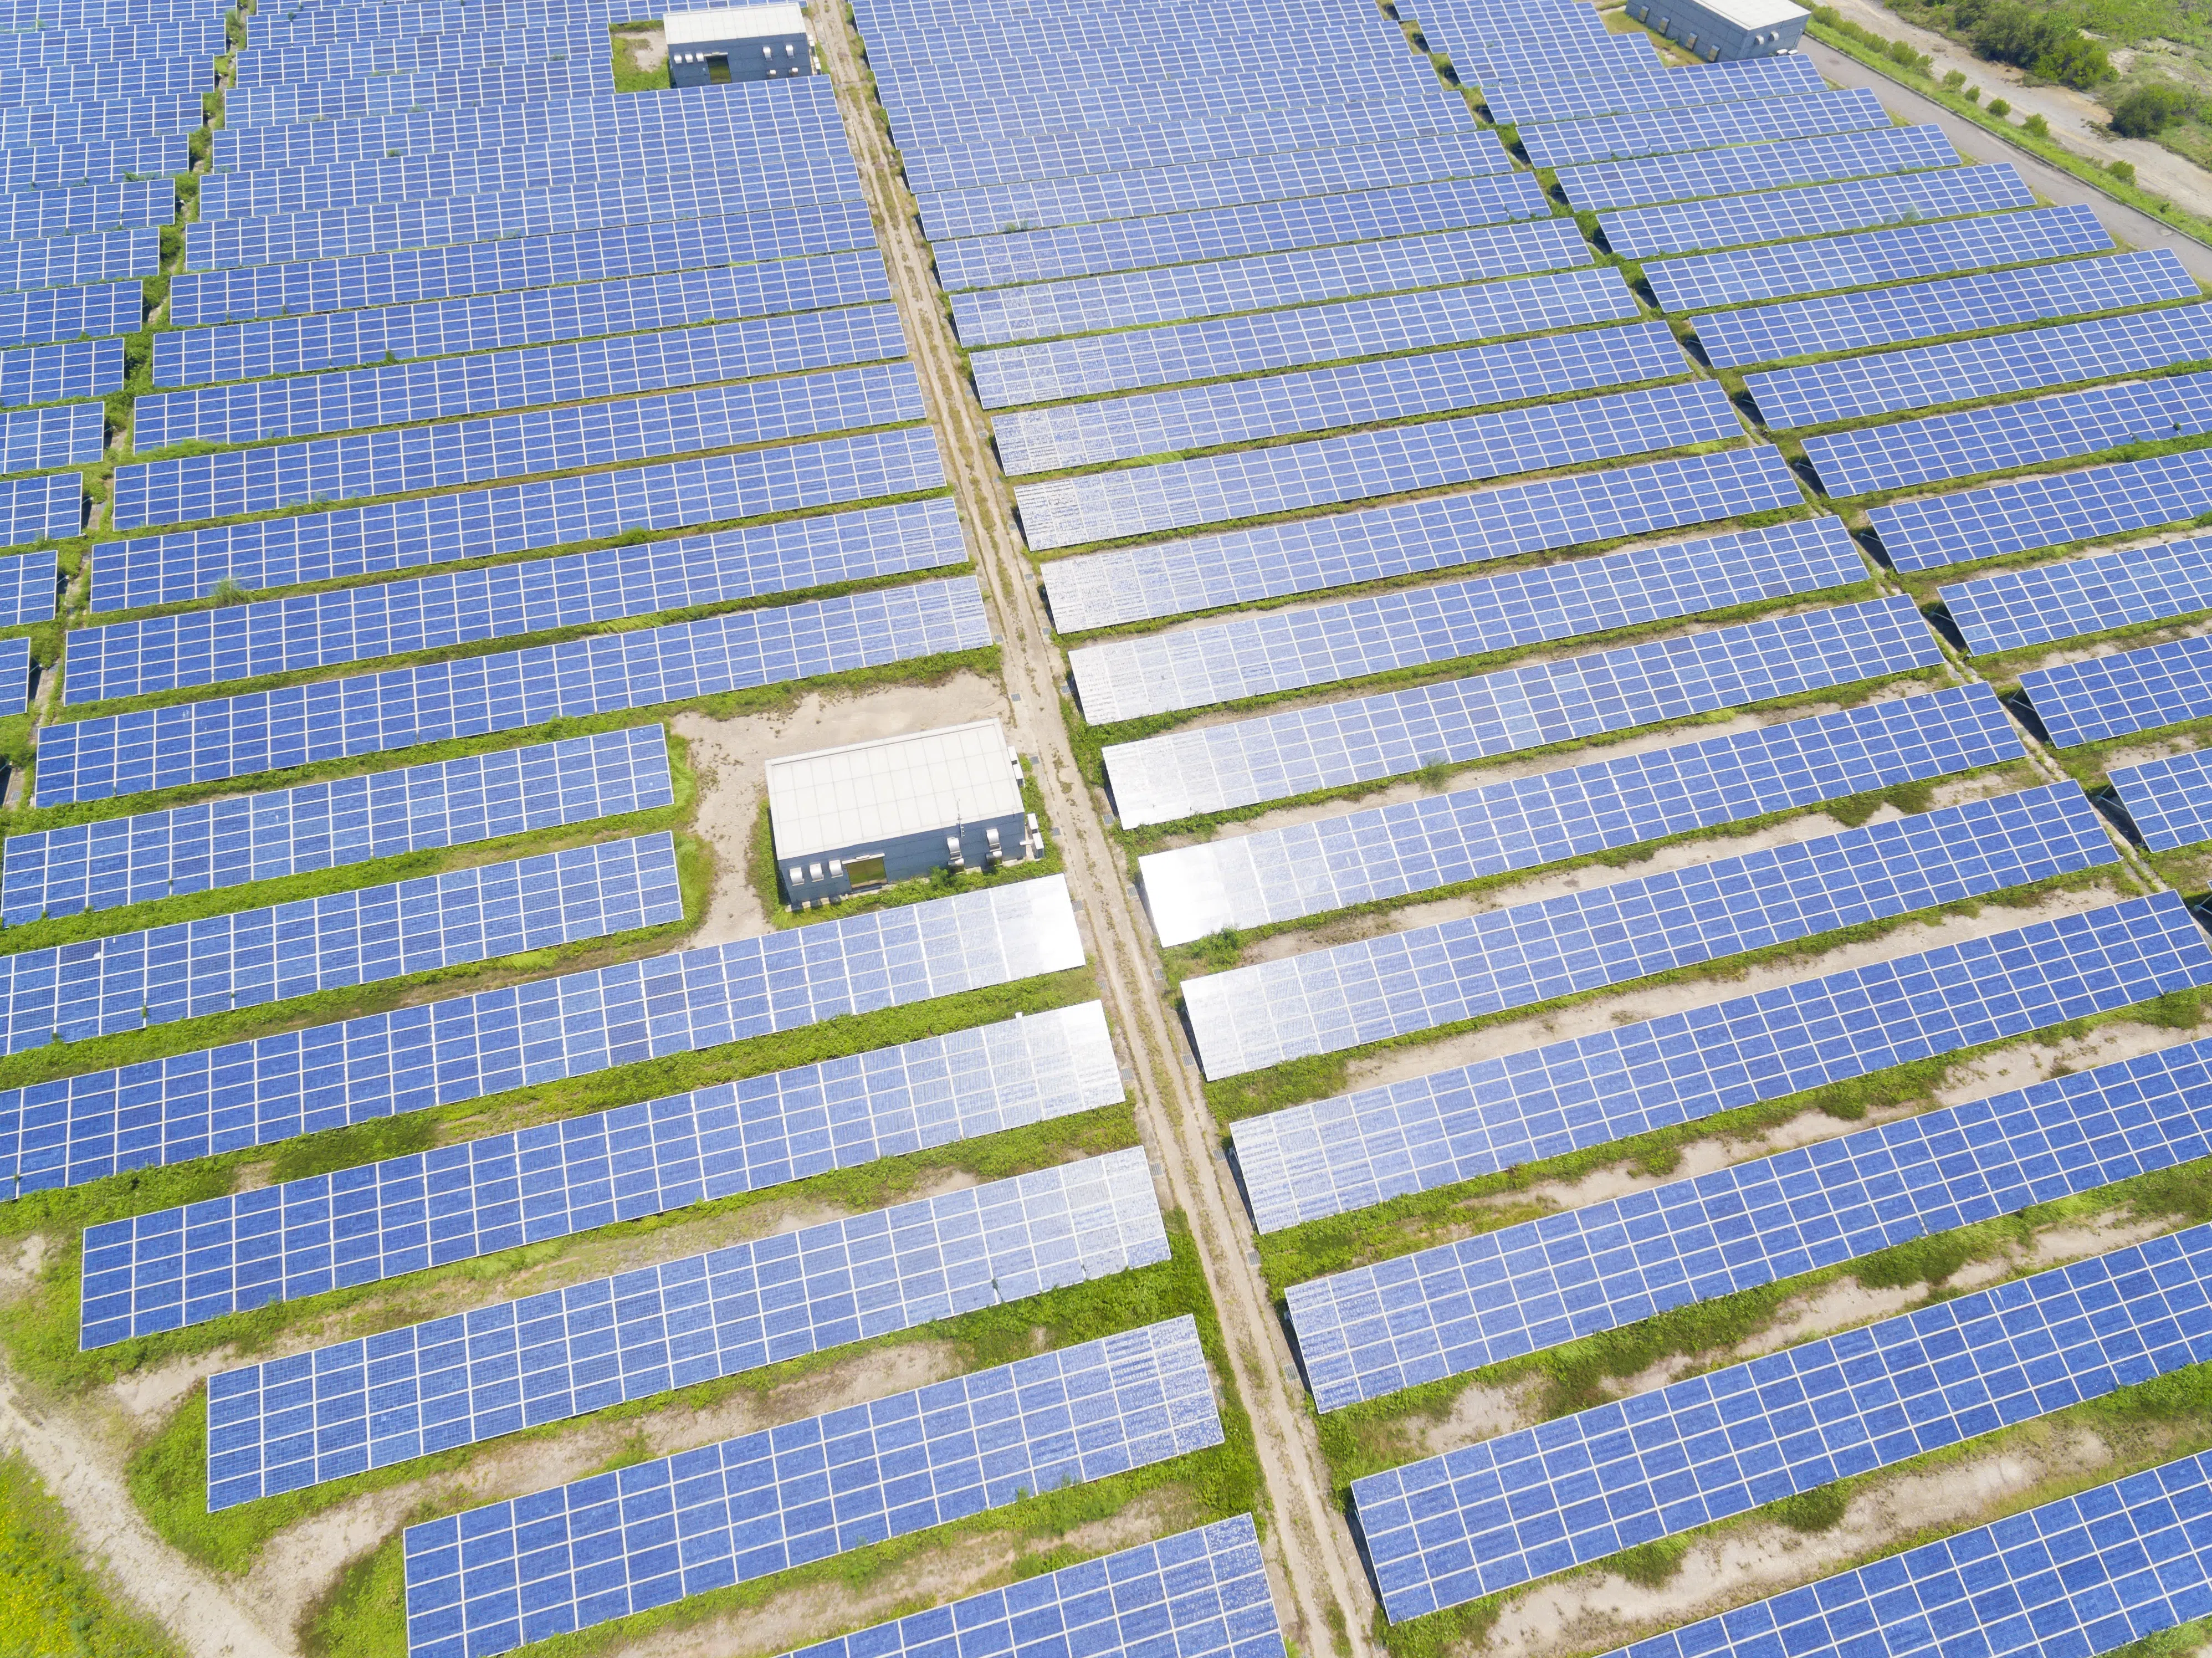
x=2127, y=225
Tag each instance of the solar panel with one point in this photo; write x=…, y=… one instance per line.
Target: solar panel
x=70, y=314
x=1088, y=434
x=349, y=101
x=191, y=970
x=1328, y=471
x=48, y=373
x=260, y=65
x=1099, y=590
x=301, y=407
x=1506, y=1292
x=69, y=83
x=489, y=1579
x=1277, y=875
x=1208, y=137
x=1705, y=280
x=1533, y=1502
x=74, y=1129
x=1602, y=92
x=522, y=517
x=155, y=116
x=1569, y=144
x=1086, y=305
x=28, y=214
x=506, y=601
x=2106, y=696
x=1286, y=339
x=2001, y=298
x=33, y=508
x=2169, y=800
x=1358, y=1150
x=1040, y=204
x=28, y=587
x=1227, y=232
x=1201, y=1594
x=33, y=440
x=1325, y=1001
x=1976, y=440
x=1481, y=64
x=112, y=43
x=519, y=263
x=332, y=718
x=1255, y=654
x=1184, y=773
x=294, y=345
x=1815, y=211
x=469, y=1377
x=197, y=487
x=63, y=261
x=96, y=161
x=230, y=842
x=2024, y=514
x=2018, y=608
x=455, y=1203
x=1753, y=167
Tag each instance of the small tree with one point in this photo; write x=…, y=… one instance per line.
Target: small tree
x=1953, y=80
x=2150, y=108
x=2124, y=171
x=2036, y=127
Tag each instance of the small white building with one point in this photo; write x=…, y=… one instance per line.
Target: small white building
x=1724, y=30
x=848, y=819
x=737, y=43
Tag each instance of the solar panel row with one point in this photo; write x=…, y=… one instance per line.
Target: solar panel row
x=1279, y=756
x=32, y=509
x=1754, y=166
x=351, y=60
x=2025, y=513
x=457, y=1202
x=1443, y=1312
x=488, y=1579
x=29, y=587
x=35, y=440
x=1817, y=211
x=469, y=1377
x=1524, y=103
x=2018, y=608
x=1252, y=655
x=1446, y=1530
x=1389, y=460
x=272, y=731
x=65, y=261
x=1328, y=1000
x=352, y=101
x=350, y=820
x=1240, y=565
x=1619, y=137
x=201, y=39
x=107, y=119
x=133, y=203
x=1276, y=875
x=94, y=161
x=32, y=89
x=1358, y=1150
x=191, y=969
x=2107, y=696
x=71, y=313
x=507, y=601
x=75, y=1129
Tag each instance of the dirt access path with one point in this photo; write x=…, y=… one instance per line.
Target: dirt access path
x=1316, y=1563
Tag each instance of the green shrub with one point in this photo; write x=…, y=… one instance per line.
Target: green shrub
x=1953, y=79
x=2124, y=171
x=1972, y=95
x=2036, y=127
x=2151, y=108
x=1998, y=106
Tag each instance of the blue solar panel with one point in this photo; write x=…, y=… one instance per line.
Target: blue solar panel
x=1817, y=211
x=1087, y=434
x=332, y=718
x=1976, y=440
x=2170, y=801
x=112, y=43
x=2025, y=513
x=26, y=214
x=525, y=262
x=351, y=100
x=1522, y=1288
x=297, y=345
x=69, y=83
x=1705, y=280
x=1279, y=757
x=2002, y=299
x=262, y=837
x=75, y=1129
x=66, y=313
x=33, y=508
x=35, y=440
x=65, y=261
x=95, y=161
x=1328, y=1000
x=1085, y=305
x=2107, y=696
x=522, y=517
x=1537, y=1501
x=1481, y=65
x=152, y=116
x=2019, y=607
x=1605, y=92
x=28, y=589
x=1041, y=204
x=15, y=663
x=230, y=1255
x=1568, y=144
x=1201, y=1594
x=191, y=969
x=301, y=407
x=1929, y=376
x=1226, y=232
x=1754, y=166
x=197, y=488
x=1286, y=339
x=468, y=1377
x=1251, y=655
x=489, y=1579
x=350, y=60
x=1330, y=470
x=506, y=601
x=1272, y=876
x=1358, y=1150
x=1102, y=589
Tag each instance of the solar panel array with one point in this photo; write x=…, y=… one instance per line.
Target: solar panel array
x=2108, y=696
x=1818, y=211
x=2015, y=609
x=1570, y=143
x=488, y=1579
x=383, y=1220
x=1754, y=166
x=2021, y=514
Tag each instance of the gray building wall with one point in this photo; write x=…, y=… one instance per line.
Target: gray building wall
x=904, y=857
x=787, y=56
x=1712, y=35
